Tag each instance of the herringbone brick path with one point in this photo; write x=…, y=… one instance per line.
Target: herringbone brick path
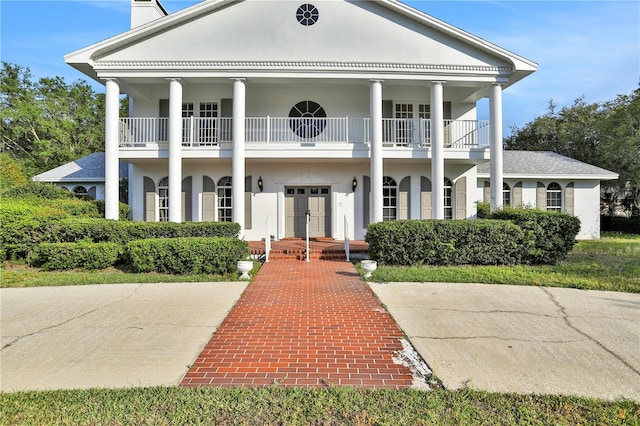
x=307, y=324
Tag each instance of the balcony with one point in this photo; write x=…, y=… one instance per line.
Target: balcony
x=216, y=132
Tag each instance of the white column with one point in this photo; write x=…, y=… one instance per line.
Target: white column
x=495, y=140
x=111, y=155
x=437, y=150
x=376, y=161
x=175, y=150
x=238, y=155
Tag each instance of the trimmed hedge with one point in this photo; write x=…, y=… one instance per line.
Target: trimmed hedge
x=625, y=225
x=20, y=235
x=82, y=255
x=217, y=255
x=510, y=237
x=551, y=235
x=434, y=242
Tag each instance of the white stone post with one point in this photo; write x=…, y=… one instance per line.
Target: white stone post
x=238, y=159
x=175, y=150
x=376, y=161
x=111, y=155
x=437, y=150
x=495, y=140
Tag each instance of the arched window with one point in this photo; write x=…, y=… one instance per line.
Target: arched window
x=80, y=191
x=389, y=199
x=163, y=200
x=554, y=197
x=506, y=195
x=448, y=199
x=225, y=208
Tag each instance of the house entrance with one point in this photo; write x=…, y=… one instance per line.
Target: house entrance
x=302, y=199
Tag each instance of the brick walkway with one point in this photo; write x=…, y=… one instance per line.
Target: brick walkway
x=307, y=324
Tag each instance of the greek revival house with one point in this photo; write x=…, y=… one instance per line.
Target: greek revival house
x=263, y=112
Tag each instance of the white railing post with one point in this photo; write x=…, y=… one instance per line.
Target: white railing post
x=346, y=129
x=267, y=241
x=268, y=129
x=346, y=237
x=308, y=254
x=191, y=130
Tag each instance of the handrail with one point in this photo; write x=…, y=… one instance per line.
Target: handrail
x=308, y=252
x=267, y=240
x=213, y=132
x=346, y=238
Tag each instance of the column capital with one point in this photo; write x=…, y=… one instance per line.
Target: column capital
x=173, y=79
x=439, y=82
x=243, y=79
x=375, y=80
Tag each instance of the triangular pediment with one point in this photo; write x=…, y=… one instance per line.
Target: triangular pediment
x=361, y=34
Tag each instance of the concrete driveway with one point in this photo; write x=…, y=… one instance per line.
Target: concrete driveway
x=522, y=339
x=124, y=335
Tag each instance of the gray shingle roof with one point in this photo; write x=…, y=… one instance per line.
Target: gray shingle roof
x=85, y=169
x=546, y=163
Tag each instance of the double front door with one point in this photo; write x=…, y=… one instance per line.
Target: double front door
x=314, y=201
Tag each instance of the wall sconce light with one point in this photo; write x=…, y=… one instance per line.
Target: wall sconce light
x=260, y=183
x=354, y=184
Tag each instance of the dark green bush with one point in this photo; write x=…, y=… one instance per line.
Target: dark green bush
x=82, y=255
x=22, y=232
x=216, y=255
x=433, y=242
x=124, y=211
x=38, y=190
x=483, y=209
x=625, y=225
x=552, y=235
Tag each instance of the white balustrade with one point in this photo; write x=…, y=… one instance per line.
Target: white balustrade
x=203, y=132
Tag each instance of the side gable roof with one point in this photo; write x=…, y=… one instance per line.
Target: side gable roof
x=247, y=34
x=85, y=169
x=545, y=164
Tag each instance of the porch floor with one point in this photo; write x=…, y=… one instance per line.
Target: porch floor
x=306, y=324
x=319, y=248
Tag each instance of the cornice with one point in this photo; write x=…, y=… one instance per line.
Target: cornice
x=298, y=65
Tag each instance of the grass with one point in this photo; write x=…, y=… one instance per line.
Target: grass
x=20, y=275
x=611, y=263
x=297, y=406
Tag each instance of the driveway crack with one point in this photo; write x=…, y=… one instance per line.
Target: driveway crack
x=567, y=320
x=67, y=321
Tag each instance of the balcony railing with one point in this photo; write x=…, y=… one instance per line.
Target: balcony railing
x=199, y=132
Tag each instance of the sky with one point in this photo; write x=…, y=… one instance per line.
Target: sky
x=587, y=49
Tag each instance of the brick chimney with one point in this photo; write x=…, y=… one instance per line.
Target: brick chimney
x=144, y=11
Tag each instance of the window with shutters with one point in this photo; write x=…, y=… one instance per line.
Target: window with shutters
x=389, y=199
x=225, y=207
x=554, y=197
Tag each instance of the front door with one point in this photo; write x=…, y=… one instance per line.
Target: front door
x=315, y=200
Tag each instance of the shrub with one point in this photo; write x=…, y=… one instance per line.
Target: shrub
x=26, y=225
x=483, y=209
x=432, y=242
x=625, y=225
x=217, y=255
x=84, y=255
x=38, y=190
x=551, y=235
x=124, y=211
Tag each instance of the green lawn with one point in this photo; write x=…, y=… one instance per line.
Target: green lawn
x=612, y=263
x=296, y=406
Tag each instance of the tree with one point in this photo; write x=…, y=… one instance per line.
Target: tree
x=605, y=134
x=48, y=122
